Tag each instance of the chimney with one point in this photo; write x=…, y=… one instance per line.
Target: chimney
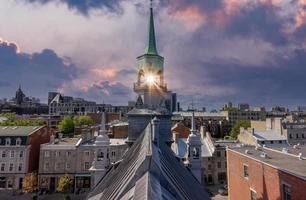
x=52, y=139
x=155, y=130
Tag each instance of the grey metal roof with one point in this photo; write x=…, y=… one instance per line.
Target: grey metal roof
x=269, y=135
x=18, y=130
x=148, y=172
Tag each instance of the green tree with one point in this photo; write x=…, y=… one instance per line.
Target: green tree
x=82, y=120
x=64, y=186
x=66, y=126
x=236, y=128
x=30, y=184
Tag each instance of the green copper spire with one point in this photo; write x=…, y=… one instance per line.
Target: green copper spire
x=151, y=47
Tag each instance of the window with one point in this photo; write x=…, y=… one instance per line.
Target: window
x=271, y=142
x=57, y=166
x=86, y=165
x=280, y=141
x=225, y=164
x=87, y=153
x=219, y=165
x=68, y=153
x=253, y=195
x=209, y=167
x=303, y=135
x=20, y=154
x=11, y=167
x=2, y=167
x=18, y=141
x=222, y=177
x=113, y=153
x=20, y=167
x=7, y=141
x=245, y=171
x=225, y=153
x=218, y=154
x=12, y=154
x=286, y=192
x=3, y=154
x=297, y=136
x=58, y=154
x=67, y=165
x=46, y=166
x=290, y=136
x=47, y=154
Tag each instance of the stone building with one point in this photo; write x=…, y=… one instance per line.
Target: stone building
x=74, y=156
x=19, y=152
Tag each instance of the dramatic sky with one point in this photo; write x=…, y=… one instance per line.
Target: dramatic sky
x=215, y=50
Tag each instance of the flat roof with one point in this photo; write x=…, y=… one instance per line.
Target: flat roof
x=18, y=130
x=289, y=163
x=269, y=135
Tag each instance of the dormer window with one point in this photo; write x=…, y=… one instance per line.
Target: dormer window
x=18, y=142
x=7, y=141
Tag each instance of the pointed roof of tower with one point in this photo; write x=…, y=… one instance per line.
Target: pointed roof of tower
x=151, y=46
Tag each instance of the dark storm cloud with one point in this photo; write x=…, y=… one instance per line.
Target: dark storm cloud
x=38, y=72
x=85, y=6
x=108, y=92
x=260, y=21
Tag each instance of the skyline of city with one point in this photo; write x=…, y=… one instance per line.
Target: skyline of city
x=232, y=54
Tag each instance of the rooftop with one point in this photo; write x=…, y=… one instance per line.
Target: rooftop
x=289, y=163
x=269, y=135
x=18, y=130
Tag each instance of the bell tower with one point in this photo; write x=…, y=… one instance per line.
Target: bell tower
x=150, y=85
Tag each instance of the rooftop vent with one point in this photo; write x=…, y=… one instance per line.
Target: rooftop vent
x=285, y=150
x=15, y=127
x=246, y=151
x=300, y=156
x=263, y=155
x=4, y=128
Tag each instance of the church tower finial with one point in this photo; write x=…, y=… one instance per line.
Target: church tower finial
x=151, y=46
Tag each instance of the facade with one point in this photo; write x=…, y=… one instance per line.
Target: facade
x=263, y=173
x=215, y=123
x=19, y=151
x=236, y=115
x=73, y=156
x=66, y=105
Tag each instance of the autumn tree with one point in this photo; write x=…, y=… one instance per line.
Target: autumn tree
x=64, y=185
x=30, y=184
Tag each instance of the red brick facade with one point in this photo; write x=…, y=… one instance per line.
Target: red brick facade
x=37, y=138
x=266, y=180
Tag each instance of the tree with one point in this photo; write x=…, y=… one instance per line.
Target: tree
x=64, y=185
x=236, y=128
x=30, y=184
x=66, y=126
x=82, y=120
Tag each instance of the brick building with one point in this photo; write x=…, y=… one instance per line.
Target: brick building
x=266, y=173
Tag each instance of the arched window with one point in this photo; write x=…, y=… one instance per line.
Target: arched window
x=141, y=78
x=18, y=141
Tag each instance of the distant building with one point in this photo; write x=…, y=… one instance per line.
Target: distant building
x=236, y=115
x=74, y=156
x=264, y=173
x=66, y=105
x=19, y=151
x=243, y=106
x=215, y=123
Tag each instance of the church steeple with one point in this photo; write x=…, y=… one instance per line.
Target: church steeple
x=151, y=46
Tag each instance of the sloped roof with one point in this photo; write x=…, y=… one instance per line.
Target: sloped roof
x=18, y=130
x=148, y=172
